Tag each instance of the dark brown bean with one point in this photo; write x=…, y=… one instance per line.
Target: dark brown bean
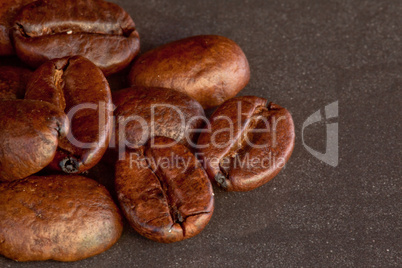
x=165, y=112
x=209, y=68
x=100, y=31
x=164, y=192
x=29, y=130
x=248, y=143
x=8, y=10
x=13, y=81
x=29, y=134
x=62, y=218
x=75, y=82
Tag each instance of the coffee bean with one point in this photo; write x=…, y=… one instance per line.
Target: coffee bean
x=100, y=31
x=209, y=68
x=163, y=191
x=8, y=10
x=62, y=218
x=247, y=144
x=156, y=112
x=13, y=81
x=76, y=83
x=29, y=134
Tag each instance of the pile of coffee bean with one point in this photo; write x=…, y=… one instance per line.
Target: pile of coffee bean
x=59, y=118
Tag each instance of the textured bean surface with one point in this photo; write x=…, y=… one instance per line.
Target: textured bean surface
x=8, y=10
x=248, y=143
x=156, y=112
x=164, y=192
x=101, y=31
x=29, y=135
x=63, y=218
x=13, y=81
x=75, y=82
x=303, y=55
x=209, y=68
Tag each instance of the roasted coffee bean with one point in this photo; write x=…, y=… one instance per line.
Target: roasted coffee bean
x=8, y=10
x=76, y=83
x=29, y=134
x=13, y=81
x=163, y=191
x=142, y=113
x=62, y=218
x=100, y=31
x=29, y=130
x=247, y=144
x=209, y=68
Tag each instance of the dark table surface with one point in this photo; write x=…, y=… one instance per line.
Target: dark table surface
x=304, y=55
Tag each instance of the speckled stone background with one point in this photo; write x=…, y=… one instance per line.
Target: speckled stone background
x=303, y=55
